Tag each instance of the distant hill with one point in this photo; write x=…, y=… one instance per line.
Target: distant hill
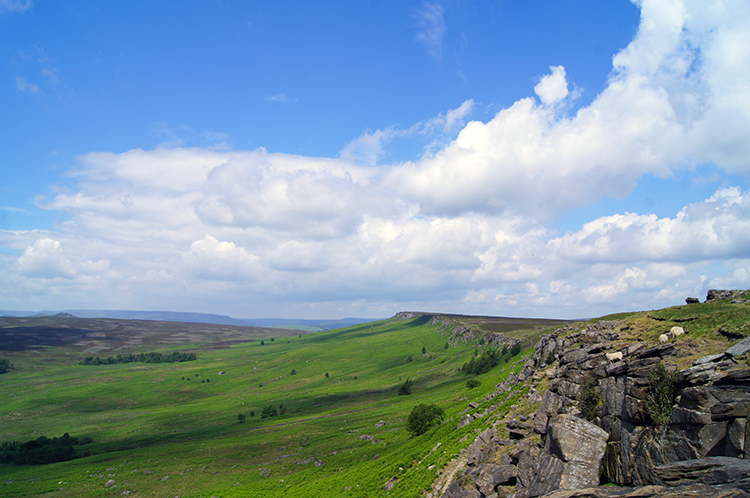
x=188, y=317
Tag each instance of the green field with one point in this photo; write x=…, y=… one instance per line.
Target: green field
x=156, y=433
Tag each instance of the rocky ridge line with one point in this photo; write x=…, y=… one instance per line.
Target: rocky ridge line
x=554, y=452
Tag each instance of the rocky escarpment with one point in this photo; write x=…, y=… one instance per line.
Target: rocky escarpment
x=589, y=419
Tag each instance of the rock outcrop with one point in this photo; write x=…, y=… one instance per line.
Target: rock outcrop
x=595, y=422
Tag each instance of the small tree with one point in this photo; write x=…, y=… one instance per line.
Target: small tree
x=472, y=383
x=422, y=417
x=409, y=359
x=269, y=411
x=5, y=366
x=294, y=372
x=252, y=413
x=262, y=343
x=241, y=417
x=446, y=346
x=326, y=375
x=405, y=388
x=424, y=350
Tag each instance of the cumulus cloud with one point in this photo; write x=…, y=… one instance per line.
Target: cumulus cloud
x=553, y=87
x=464, y=225
x=213, y=260
x=44, y=259
x=370, y=147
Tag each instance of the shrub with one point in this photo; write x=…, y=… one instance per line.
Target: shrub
x=294, y=372
x=241, y=417
x=422, y=417
x=472, y=383
x=551, y=358
x=409, y=359
x=262, y=343
x=252, y=413
x=5, y=366
x=483, y=364
x=269, y=411
x=405, y=388
x=326, y=375
x=591, y=397
x=446, y=346
x=516, y=349
x=661, y=394
x=424, y=350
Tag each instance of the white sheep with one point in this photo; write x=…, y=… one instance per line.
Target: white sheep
x=676, y=332
x=663, y=339
x=614, y=356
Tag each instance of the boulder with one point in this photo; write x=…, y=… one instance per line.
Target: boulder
x=491, y=476
x=571, y=458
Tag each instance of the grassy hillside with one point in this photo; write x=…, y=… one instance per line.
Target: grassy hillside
x=156, y=433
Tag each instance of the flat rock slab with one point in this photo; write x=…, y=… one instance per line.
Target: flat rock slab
x=709, y=470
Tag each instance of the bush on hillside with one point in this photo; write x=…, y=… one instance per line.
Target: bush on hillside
x=150, y=357
x=472, y=383
x=269, y=411
x=662, y=393
x=5, y=366
x=481, y=364
x=422, y=417
x=405, y=388
x=40, y=451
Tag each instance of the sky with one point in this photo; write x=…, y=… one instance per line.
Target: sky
x=356, y=159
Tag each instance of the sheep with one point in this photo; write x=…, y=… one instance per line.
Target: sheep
x=676, y=332
x=663, y=339
x=614, y=356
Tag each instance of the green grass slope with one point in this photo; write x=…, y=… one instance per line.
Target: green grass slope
x=156, y=433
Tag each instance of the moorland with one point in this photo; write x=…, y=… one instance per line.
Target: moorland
x=335, y=411
x=159, y=429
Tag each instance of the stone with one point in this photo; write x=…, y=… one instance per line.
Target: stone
x=465, y=420
x=735, y=446
x=571, y=458
x=740, y=349
x=709, y=359
x=463, y=487
x=711, y=470
x=692, y=300
x=493, y=475
x=547, y=409
x=390, y=483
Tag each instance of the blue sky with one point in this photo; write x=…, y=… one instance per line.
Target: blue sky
x=329, y=159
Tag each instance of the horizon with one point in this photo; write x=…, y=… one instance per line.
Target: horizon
x=328, y=160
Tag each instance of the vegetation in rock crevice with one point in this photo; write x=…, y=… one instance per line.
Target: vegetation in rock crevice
x=661, y=395
x=591, y=397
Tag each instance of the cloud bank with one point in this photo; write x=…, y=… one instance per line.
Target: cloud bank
x=464, y=227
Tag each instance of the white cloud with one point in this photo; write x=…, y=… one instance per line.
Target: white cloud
x=213, y=260
x=15, y=5
x=465, y=225
x=431, y=28
x=44, y=259
x=25, y=86
x=553, y=87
